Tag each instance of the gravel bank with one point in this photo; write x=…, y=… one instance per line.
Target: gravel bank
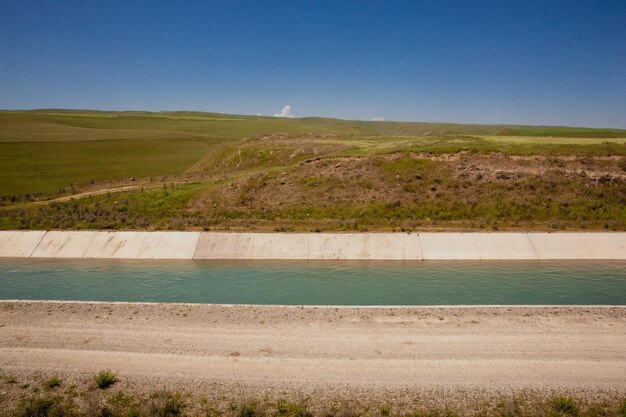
x=390, y=352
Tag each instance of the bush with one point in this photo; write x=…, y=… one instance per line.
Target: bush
x=105, y=379
x=53, y=382
x=164, y=404
x=566, y=406
x=621, y=411
x=42, y=407
x=287, y=409
x=248, y=408
x=384, y=410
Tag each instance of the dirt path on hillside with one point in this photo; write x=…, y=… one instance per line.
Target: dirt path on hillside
x=293, y=348
x=101, y=191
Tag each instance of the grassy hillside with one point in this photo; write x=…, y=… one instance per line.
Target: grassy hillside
x=46, y=150
x=207, y=170
x=559, y=131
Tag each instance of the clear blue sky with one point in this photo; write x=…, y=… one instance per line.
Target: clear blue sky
x=522, y=62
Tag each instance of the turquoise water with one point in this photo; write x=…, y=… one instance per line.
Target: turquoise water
x=334, y=283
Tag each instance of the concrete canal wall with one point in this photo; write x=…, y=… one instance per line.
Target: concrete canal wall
x=365, y=246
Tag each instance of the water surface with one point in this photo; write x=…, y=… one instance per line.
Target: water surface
x=330, y=283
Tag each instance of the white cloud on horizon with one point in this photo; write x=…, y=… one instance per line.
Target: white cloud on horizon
x=378, y=119
x=285, y=112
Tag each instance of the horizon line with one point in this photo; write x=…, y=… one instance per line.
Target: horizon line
x=34, y=109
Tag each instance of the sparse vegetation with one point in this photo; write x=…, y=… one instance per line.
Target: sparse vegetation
x=83, y=399
x=104, y=379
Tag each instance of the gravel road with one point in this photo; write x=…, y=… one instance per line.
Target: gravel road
x=322, y=348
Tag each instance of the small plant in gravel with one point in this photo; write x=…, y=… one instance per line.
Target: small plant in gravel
x=133, y=412
x=70, y=390
x=248, y=408
x=509, y=407
x=287, y=409
x=345, y=410
x=126, y=405
x=621, y=410
x=121, y=399
x=105, y=412
x=52, y=383
x=565, y=406
x=43, y=407
x=449, y=413
x=104, y=379
x=164, y=404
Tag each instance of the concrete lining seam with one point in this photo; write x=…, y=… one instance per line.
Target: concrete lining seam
x=480, y=256
x=195, y=247
x=252, y=240
x=532, y=245
x=93, y=236
x=419, y=244
x=38, y=243
x=308, y=247
x=593, y=255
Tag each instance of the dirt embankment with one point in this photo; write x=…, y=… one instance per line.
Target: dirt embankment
x=417, y=178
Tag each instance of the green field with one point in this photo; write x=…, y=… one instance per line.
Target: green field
x=197, y=170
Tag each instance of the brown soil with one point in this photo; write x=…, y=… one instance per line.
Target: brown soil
x=390, y=178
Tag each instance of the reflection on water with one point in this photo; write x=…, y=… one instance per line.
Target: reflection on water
x=331, y=282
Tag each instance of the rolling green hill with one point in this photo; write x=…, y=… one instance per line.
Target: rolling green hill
x=220, y=169
x=42, y=151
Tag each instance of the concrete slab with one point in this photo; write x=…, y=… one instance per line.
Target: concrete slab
x=224, y=246
x=504, y=246
x=63, y=245
x=337, y=246
x=606, y=245
x=116, y=245
x=280, y=246
x=448, y=246
x=366, y=246
x=393, y=246
x=19, y=244
x=560, y=245
x=169, y=245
